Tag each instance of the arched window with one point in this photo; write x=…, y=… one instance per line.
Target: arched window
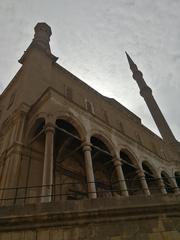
x=104, y=171
x=130, y=170
x=167, y=182
x=177, y=177
x=151, y=179
x=69, y=169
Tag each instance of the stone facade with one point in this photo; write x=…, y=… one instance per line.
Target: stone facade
x=62, y=144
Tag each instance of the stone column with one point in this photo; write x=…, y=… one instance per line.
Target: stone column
x=143, y=182
x=89, y=171
x=47, y=180
x=162, y=186
x=120, y=176
x=176, y=188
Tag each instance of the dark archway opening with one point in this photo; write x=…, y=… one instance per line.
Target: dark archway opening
x=167, y=182
x=104, y=171
x=130, y=171
x=69, y=169
x=152, y=182
x=177, y=177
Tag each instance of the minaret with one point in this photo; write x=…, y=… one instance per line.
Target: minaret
x=41, y=40
x=154, y=109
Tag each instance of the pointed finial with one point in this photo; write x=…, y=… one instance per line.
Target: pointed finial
x=132, y=65
x=137, y=75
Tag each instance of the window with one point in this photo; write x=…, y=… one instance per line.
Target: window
x=89, y=106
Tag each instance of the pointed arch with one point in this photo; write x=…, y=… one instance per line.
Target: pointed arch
x=151, y=177
x=103, y=165
x=131, y=168
x=177, y=178
x=168, y=182
x=74, y=121
x=68, y=158
x=104, y=138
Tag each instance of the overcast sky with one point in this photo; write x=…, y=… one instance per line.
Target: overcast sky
x=90, y=38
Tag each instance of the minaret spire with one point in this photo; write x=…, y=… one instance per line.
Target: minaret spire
x=154, y=109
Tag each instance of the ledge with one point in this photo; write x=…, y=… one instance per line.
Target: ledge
x=69, y=213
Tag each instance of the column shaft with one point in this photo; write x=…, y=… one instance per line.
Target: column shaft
x=162, y=186
x=47, y=180
x=144, y=183
x=120, y=176
x=89, y=171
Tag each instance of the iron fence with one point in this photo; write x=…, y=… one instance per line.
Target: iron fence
x=73, y=191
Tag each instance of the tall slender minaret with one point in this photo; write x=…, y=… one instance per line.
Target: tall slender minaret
x=154, y=109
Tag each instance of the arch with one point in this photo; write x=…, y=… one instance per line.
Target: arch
x=74, y=121
x=68, y=157
x=151, y=168
x=67, y=126
x=132, y=156
x=103, y=166
x=37, y=127
x=177, y=178
x=168, y=183
x=151, y=177
x=101, y=136
x=31, y=123
x=131, y=169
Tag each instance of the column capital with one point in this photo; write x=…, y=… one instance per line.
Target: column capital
x=117, y=161
x=86, y=146
x=49, y=127
x=140, y=173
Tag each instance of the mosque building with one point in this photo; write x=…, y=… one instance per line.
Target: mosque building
x=77, y=165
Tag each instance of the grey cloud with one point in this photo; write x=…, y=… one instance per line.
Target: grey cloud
x=90, y=38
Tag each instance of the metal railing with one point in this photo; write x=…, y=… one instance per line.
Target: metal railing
x=74, y=191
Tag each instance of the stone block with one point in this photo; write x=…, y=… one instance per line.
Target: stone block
x=43, y=234
x=171, y=235
x=29, y=235
x=71, y=233
x=5, y=236
x=17, y=235
x=117, y=238
x=155, y=236
x=56, y=234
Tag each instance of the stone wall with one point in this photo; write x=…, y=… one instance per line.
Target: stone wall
x=152, y=218
x=152, y=229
